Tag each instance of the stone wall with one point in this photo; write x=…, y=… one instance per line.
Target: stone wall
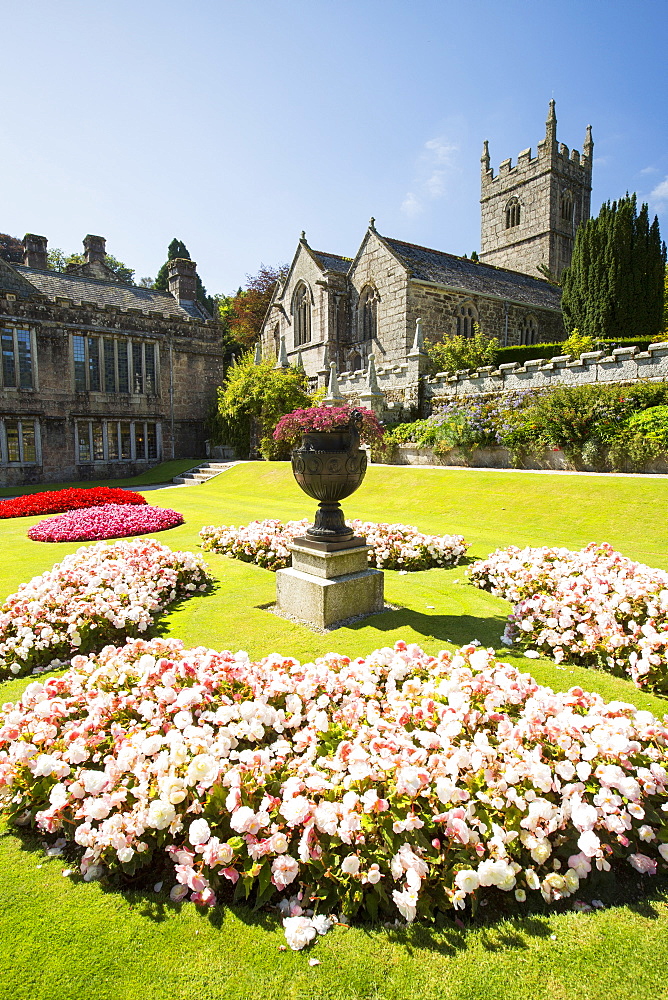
x=498, y=457
x=625, y=364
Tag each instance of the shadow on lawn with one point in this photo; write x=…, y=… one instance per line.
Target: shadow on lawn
x=161, y=625
x=455, y=629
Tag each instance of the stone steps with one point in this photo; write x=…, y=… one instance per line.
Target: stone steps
x=201, y=473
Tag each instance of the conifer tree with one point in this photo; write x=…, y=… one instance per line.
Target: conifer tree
x=614, y=285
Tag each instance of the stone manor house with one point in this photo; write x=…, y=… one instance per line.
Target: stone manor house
x=99, y=379
x=340, y=309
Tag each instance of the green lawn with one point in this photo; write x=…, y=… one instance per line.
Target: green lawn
x=63, y=938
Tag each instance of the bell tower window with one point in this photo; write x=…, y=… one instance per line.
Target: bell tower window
x=512, y=213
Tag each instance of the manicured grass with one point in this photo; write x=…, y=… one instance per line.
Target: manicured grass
x=67, y=939
x=163, y=473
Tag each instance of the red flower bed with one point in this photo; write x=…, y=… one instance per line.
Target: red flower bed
x=110, y=521
x=56, y=501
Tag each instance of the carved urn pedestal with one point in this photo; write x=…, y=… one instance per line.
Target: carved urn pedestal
x=329, y=580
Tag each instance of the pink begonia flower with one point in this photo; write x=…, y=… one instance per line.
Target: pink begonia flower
x=178, y=893
x=284, y=870
x=107, y=521
x=589, y=843
x=643, y=864
x=445, y=725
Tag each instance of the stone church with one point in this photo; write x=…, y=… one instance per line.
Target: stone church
x=340, y=309
x=99, y=379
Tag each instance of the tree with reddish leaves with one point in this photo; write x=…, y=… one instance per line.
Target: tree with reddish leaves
x=246, y=310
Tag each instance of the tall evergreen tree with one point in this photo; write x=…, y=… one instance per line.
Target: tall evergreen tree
x=614, y=285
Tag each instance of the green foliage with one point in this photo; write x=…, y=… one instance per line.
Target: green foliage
x=246, y=311
x=604, y=426
x=577, y=344
x=459, y=353
x=590, y=423
x=56, y=260
x=252, y=400
x=615, y=282
x=521, y=352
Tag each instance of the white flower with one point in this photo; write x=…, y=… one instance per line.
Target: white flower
x=202, y=770
x=351, y=864
x=299, y=931
x=199, y=832
x=160, y=814
x=467, y=880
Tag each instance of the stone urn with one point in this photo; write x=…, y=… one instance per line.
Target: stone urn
x=329, y=466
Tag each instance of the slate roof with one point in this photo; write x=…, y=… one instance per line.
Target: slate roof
x=332, y=261
x=472, y=276
x=54, y=285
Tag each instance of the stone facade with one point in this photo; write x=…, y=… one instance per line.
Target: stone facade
x=337, y=309
x=530, y=211
x=99, y=379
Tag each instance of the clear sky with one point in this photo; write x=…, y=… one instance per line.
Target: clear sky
x=235, y=124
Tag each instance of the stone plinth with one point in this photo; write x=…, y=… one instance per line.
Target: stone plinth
x=325, y=587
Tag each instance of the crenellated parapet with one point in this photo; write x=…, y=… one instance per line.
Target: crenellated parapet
x=623, y=365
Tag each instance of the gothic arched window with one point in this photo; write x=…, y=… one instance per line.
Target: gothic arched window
x=512, y=213
x=368, y=313
x=355, y=362
x=467, y=318
x=566, y=206
x=528, y=330
x=301, y=311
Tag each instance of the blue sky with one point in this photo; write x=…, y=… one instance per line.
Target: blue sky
x=234, y=125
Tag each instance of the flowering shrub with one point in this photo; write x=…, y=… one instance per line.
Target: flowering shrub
x=108, y=521
x=326, y=418
x=391, y=546
x=96, y=595
x=594, y=607
x=56, y=501
x=396, y=783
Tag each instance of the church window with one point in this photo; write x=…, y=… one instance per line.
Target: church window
x=355, y=362
x=277, y=339
x=566, y=206
x=301, y=310
x=512, y=213
x=467, y=319
x=528, y=331
x=368, y=311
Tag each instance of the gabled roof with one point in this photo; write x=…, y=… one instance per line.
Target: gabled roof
x=472, y=276
x=55, y=284
x=332, y=261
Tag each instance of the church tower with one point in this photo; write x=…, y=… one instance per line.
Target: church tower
x=530, y=212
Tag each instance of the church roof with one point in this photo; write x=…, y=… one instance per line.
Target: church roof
x=473, y=276
x=55, y=284
x=332, y=261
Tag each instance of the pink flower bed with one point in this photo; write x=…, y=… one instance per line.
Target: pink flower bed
x=594, y=607
x=393, y=784
x=98, y=594
x=391, y=546
x=109, y=521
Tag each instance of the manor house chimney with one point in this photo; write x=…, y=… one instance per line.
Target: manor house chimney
x=182, y=275
x=34, y=251
x=95, y=248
